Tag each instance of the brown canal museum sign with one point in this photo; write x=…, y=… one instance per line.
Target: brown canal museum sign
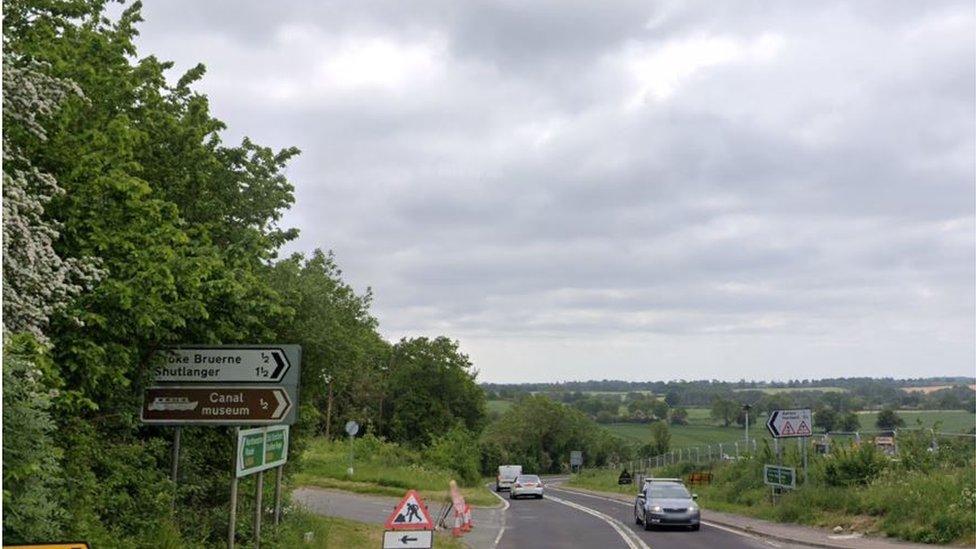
x=218, y=404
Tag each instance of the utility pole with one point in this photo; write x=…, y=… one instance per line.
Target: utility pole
x=746, y=408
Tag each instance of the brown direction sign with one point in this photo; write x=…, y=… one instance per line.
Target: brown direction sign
x=217, y=405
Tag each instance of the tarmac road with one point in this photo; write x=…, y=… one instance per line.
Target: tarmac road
x=571, y=519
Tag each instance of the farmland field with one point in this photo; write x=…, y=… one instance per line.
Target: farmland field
x=499, y=406
x=702, y=430
x=926, y=389
x=955, y=421
x=775, y=390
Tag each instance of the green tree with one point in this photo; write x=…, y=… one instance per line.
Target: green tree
x=724, y=410
x=339, y=339
x=849, y=422
x=889, y=420
x=679, y=416
x=539, y=433
x=826, y=419
x=430, y=389
x=660, y=437
x=182, y=227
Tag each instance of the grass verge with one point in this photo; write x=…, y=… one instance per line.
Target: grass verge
x=337, y=533
x=934, y=505
x=383, y=469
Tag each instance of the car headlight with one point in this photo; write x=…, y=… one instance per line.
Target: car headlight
x=656, y=509
x=692, y=507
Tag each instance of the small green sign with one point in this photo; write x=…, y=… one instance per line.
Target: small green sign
x=777, y=475
x=261, y=449
x=252, y=450
x=274, y=445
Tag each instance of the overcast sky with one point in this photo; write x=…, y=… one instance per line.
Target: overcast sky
x=635, y=190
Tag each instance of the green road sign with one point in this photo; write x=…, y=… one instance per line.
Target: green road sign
x=252, y=450
x=777, y=475
x=261, y=448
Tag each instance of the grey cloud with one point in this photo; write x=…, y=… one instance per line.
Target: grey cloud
x=805, y=191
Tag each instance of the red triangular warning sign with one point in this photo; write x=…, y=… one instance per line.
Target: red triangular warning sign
x=410, y=514
x=788, y=429
x=803, y=428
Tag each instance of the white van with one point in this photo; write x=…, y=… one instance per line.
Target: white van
x=506, y=476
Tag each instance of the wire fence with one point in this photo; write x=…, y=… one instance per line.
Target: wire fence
x=709, y=454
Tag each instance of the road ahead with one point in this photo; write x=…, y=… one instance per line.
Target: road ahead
x=572, y=519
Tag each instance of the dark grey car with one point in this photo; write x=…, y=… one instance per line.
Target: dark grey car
x=666, y=502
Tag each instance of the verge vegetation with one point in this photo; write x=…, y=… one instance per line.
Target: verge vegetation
x=922, y=495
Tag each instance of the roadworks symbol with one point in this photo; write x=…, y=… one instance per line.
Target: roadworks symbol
x=803, y=428
x=788, y=429
x=410, y=514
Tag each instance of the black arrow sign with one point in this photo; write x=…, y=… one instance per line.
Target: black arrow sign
x=282, y=364
x=406, y=539
x=771, y=424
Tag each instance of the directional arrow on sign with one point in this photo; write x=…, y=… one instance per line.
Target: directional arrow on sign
x=407, y=539
x=784, y=423
x=283, y=404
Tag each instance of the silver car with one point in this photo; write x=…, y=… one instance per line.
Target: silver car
x=663, y=502
x=527, y=485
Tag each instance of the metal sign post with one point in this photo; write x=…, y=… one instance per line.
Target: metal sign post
x=233, y=494
x=277, y=507
x=258, y=497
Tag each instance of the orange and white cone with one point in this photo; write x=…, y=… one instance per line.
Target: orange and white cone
x=467, y=518
x=456, y=530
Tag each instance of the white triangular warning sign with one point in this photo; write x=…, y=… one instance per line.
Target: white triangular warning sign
x=788, y=428
x=410, y=514
x=803, y=428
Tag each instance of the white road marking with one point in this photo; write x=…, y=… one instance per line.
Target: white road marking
x=505, y=506
x=631, y=539
x=706, y=523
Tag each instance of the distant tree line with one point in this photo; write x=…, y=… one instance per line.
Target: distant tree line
x=855, y=394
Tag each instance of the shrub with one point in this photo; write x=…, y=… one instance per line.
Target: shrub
x=853, y=465
x=458, y=451
x=32, y=475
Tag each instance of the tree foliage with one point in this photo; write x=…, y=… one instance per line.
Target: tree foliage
x=129, y=224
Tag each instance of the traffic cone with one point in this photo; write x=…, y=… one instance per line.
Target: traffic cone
x=467, y=518
x=456, y=530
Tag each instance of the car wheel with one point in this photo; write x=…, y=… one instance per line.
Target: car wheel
x=497, y=487
x=695, y=527
x=637, y=519
x=647, y=523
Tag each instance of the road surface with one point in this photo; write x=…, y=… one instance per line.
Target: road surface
x=571, y=519
x=563, y=519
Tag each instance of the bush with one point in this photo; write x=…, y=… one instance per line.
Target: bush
x=458, y=451
x=853, y=465
x=32, y=475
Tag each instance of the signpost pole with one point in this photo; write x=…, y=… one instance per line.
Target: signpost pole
x=176, y=454
x=804, y=460
x=277, y=509
x=258, y=496
x=233, y=496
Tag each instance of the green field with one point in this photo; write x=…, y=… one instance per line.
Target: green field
x=499, y=406
x=775, y=390
x=952, y=421
x=683, y=436
x=702, y=430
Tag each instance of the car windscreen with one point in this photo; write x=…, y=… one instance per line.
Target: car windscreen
x=528, y=478
x=668, y=491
